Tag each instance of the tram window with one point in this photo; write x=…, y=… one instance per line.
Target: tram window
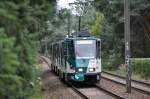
x=71, y=50
x=70, y=53
x=62, y=55
x=88, y=45
x=98, y=49
x=64, y=50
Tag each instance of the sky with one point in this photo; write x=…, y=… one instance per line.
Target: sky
x=64, y=3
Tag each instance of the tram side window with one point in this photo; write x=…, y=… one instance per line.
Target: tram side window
x=98, y=49
x=71, y=55
x=71, y=50
x=64, y=44
x=64, y=50
x=62, y=54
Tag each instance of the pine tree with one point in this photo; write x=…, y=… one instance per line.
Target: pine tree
x=20, y=28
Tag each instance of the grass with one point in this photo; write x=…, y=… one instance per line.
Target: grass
x=122, y=72
x=38, y=93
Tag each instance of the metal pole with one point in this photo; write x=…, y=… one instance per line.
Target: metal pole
x=127, y=44
x=79, y=24
x=69, y=24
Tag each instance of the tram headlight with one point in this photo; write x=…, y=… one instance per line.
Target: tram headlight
x=91, y=69
x=80, y=69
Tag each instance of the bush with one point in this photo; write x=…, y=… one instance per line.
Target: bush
x=13, y=89
x=141, y=66
x=10, y=82
x=112, y=62
x=15, y=73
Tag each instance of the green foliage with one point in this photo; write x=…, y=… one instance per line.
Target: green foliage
x=84, y=10
x=112, y=34
x=38, y=92
x=97, y=27
x=112, y=61
x=106, y=28
x=141, y=66
x=8, y=68
x=21, y=26
x=7, y=53
x=14, y=86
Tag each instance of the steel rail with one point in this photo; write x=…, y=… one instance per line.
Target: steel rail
x=77, y=91
x=99, y=88
x=104, y=90
x=137, y=89
x=121, y=77
x=109, y=92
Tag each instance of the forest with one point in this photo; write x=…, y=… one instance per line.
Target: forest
x=28, y=27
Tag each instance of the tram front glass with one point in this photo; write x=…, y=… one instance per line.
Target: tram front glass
x=85, y=53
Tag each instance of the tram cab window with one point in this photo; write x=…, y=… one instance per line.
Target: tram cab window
x=85, y=49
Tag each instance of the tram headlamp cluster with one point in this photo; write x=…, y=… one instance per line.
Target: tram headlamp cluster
x=91, y=69
x=80, y=69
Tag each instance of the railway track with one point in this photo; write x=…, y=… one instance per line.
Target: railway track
x=136, y=85
x=109, y=92
x=94, y=92
x=78, y=92
x=97, y=91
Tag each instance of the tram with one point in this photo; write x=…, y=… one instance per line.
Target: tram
x=77, y=58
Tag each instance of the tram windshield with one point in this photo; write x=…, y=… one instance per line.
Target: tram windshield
x=85, y=49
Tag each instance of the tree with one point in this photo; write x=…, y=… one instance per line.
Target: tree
x=20, y=30
x=84, y=12
x=113, y=31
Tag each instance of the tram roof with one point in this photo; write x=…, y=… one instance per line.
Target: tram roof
x=76, y=38
x=81, y=38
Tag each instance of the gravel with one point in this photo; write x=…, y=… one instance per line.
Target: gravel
x=53, y=87
x=95, y=93
x=121, y=90
x=136, y=85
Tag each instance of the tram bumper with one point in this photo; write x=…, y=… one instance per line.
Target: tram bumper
x=80, y=77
